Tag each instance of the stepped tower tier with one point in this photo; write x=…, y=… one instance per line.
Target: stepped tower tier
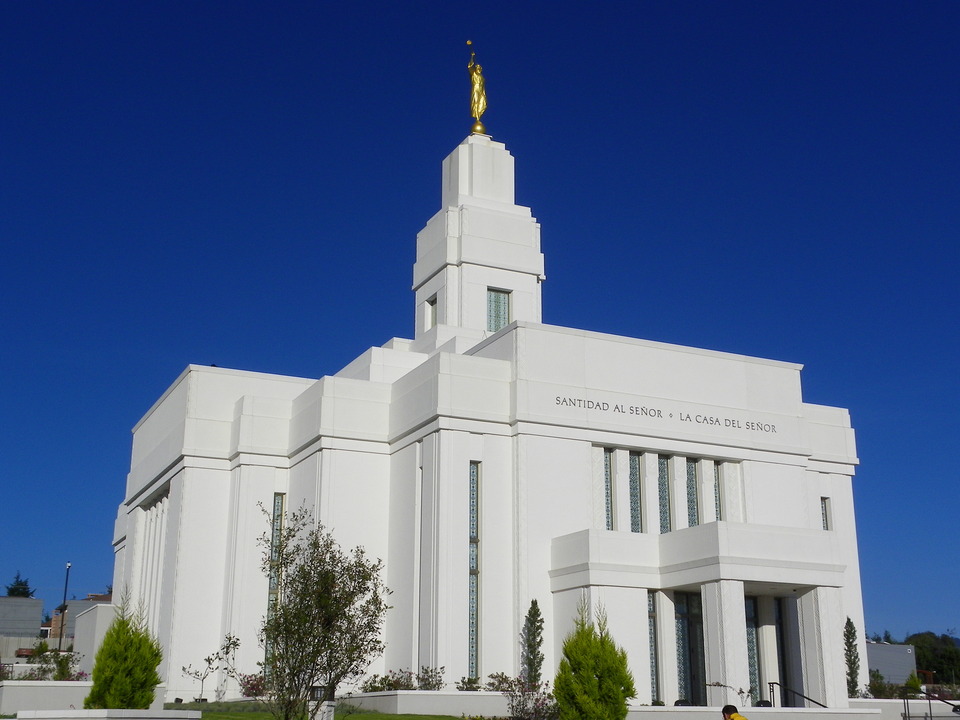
x=479, y=265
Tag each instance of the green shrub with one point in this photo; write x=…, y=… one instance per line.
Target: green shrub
x=498, y=682
x=393, y=680
x=593, y=681
x=429, y=678
x=469, y=684
x=125, y=666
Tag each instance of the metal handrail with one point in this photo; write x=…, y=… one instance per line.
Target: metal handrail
x=783, y=688
x=930, y=698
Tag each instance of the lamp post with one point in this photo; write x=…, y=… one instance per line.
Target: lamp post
x=63, y=610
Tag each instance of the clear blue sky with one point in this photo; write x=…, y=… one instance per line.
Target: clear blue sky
x=241, y=183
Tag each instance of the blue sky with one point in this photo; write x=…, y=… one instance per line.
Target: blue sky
x=241, y=183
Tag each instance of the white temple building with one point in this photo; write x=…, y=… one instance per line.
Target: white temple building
x=492, y=460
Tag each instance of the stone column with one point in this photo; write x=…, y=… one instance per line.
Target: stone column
x=678, y=493
x=767, y=641
x=821, y=634
x=708, y=497
x=725, y=641
x=626, y=610
x=649, y=493
x=667, y=646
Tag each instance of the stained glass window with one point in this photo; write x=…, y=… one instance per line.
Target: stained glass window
x=473, y=630
x=473, y=590
x=716, y=490
x=276, y=527
x=663, y=487
x=753, y=647
x=693, y=502
x=608, y=486
x=498, y=309
x=273, y=582
x=654, y=664
x=691, y=666
x=636, y=517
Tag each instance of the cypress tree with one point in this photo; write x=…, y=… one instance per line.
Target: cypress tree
x=852, y=657
x=125, y=666
x=531, y=642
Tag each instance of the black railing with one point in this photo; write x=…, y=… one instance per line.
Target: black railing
x=784, y=689
x=930, y=698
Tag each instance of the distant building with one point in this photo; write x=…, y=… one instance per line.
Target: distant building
x=895, y=662
x=74, y=608
x=20, y=616
x=493, y=459
x=19, y=627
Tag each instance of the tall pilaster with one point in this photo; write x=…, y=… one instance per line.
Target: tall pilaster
x=725, y=641
x=667, y=647
x=821, y=632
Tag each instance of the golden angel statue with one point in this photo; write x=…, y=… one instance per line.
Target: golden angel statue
x=478, y=93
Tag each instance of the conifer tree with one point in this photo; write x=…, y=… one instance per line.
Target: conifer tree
x=593, y=681
x=531, y=642
x=852, y=657
x=125, y=666
x=20, y=587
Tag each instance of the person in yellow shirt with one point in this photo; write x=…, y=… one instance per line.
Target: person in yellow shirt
x=730, y=712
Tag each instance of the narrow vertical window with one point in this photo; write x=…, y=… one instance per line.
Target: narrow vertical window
x=691, y=665
x=716, y=490
x=636, y=517
x=498, y=309
x=825, y=519
x=273, y=582
x=473, y=611
x=608, y=486
x=663, y=487
x=431, y=312
x=693, y=502
x=783, y=648
x=276, y=528
x=654, y=663
x=753, y=646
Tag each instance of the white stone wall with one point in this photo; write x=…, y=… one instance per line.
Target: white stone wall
x=381, y=453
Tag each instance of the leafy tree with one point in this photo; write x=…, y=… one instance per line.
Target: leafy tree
x=852, y=657
x=531, y=642
x=222, y=659
x=125, y=666
x=937, y=653
x=324, y=626
x=20, y=587
x=593, y=681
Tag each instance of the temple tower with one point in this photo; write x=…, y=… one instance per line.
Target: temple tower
x=479, y=265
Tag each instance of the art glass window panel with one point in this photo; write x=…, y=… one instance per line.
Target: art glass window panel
x=636, y=517
x=498, y=309
x=663, y=488
x=693, y=499
x=608, y=486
